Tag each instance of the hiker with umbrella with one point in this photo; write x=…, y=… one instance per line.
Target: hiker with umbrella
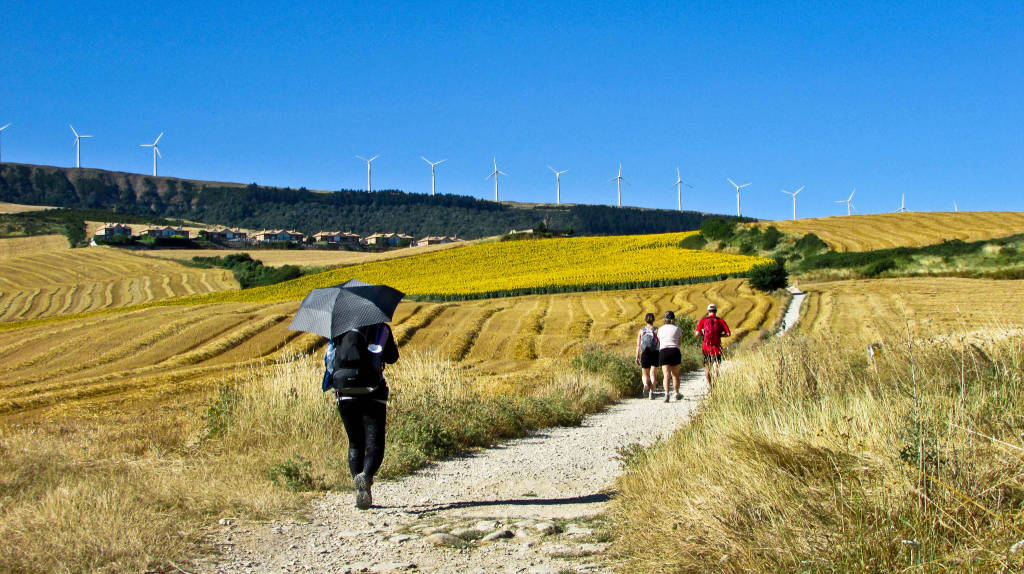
x=353, y=317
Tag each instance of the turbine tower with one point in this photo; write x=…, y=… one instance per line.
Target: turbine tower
x=368, y=169
x=156, y=150
x=558, y=183
x=433, y=173
x=903, y=203
x=679, y=189
x=618, y=183
x=955, y=208
x=738, y=188
x=495, y=175
x=1, y=133
x=849, y=202
x=78, y=146
x=794, y=194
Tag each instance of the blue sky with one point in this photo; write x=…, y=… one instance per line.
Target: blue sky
x=922, y=98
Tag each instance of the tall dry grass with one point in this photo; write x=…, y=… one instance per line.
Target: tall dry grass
x=811, y=457
x=116, y=493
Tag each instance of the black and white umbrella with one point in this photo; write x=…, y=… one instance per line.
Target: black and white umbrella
x=331, y=311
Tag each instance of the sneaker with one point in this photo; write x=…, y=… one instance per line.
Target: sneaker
x=652, y=394
x=364, y=499
x=666, y=397
x=679, y=397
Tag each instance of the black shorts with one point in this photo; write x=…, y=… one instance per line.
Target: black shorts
x=670, y=357
x=710, y=359
x=649, y=359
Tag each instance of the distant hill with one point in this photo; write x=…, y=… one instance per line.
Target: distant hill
x=910, y=229
x=255, y=207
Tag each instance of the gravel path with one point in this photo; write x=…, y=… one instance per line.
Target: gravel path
x=536, y=497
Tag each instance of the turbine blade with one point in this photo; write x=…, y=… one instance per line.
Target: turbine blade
x=801, y=189
x=73, y=130
x=732, y=182
x=5, y=127
x=440, y=162
x=373, y=158
x=426, y=160
x=744, y=185
x=158, y=138
x=157, y=150
x=360, y=157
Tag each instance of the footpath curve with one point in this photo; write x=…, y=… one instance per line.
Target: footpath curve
x=526, y=505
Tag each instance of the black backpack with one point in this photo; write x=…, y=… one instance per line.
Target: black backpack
x=356, y=369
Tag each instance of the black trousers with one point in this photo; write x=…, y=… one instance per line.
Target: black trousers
x=364, y=421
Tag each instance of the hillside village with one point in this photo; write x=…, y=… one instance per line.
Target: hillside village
x=235, y=237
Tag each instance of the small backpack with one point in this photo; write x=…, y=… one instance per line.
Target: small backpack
x=647, y=339
x=357, y=370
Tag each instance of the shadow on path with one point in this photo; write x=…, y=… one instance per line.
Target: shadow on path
x=425, y=508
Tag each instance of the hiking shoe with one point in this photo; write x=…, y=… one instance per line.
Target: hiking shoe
x=652, y=394
x=364, y=499
x=679, y=397
x=666, y=397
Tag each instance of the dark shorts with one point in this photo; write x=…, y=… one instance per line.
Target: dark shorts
x=710, y=358
x=670, y=357
x=649, y=359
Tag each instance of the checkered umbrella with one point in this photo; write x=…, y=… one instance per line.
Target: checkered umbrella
x=331, y=311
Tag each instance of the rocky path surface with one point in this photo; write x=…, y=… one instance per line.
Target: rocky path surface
x=528, y=505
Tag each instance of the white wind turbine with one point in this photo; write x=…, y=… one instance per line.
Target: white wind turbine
x=679, y=189
x=156, y=150
x=903, y=203
x=368, y=169
x=955, y=208
x=618, y=183
x=78, y=146
x=558, y=183
x=738, y=188
x=495, y=175
x=849, y=202
x=794, y=194
x=1, y=133
x=433, y=173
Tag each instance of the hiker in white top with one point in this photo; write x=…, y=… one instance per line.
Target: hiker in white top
x=647, y=354
x=669, y=356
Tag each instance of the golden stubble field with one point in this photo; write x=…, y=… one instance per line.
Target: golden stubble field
x=911, y=229
x=126, y=359
x=42, y=277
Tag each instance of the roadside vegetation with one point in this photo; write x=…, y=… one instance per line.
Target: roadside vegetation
x=249, y=272
x=810, y=456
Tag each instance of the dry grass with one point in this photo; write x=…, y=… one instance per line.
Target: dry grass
x=24, y=246
x=18, y=208
x=47, y=283
x=810, y=458
x=867, y=308
x=885, y=230
x=303, y=257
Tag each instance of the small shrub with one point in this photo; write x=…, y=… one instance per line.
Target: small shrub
x=768, y=277
x=718, y=229
x=622, y=374
x=695, y=241
x=811, y=243
x=876, y=268
x=295, y=473
x=770, y=238
x=219, y=413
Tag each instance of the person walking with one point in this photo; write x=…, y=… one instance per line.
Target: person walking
x=712, y=328
x=647, y=354
x=355, y=362
x=669, y=355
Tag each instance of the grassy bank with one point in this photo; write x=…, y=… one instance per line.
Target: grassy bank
x=110, y=492
x=810, y=457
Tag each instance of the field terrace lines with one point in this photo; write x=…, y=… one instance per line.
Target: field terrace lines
x=22, y=246
x=461, y=340
x=912, y=229
x=422, y=319
x=496, y=337
x=45, y=284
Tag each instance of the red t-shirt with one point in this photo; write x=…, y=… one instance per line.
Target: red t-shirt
x=713, y=328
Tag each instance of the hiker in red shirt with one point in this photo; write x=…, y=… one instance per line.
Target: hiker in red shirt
x=712, y=329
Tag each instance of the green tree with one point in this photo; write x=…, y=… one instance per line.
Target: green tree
x=769, y=276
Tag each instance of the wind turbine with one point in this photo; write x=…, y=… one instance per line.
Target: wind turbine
x=738, y=188
x=679, y=189
x=903, y=203
x=955, y=208
x=156, y=150
x=495, y=175
x=794, y=194
x=618, y=183
x=78, y=146
x=848, y=202
x=368, y=169
x=433, y=174
x=558, y=183
x=1, y=133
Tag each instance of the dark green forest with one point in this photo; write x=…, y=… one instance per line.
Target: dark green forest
x=259, y=207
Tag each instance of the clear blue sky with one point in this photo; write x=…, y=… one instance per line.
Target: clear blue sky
x=922, y=98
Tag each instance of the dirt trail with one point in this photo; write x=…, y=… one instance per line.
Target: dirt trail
x=543, y=490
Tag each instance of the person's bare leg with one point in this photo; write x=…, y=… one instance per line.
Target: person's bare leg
x=666, y=378
x=675, y=380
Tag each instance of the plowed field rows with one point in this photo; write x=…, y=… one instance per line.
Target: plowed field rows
x=22, y=246
x=301, y=257
x=145, y=353
x=49, y=281
x=885, y=230
x=930, y=305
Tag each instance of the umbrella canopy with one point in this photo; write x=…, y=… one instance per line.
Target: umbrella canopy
x=331, y=311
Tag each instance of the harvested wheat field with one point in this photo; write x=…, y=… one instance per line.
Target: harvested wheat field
x=46, y=282
x=134, y=354
x=22, y=246
x=866, y=308
x=301, y=257
x=911, y=229
x=19, y=208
